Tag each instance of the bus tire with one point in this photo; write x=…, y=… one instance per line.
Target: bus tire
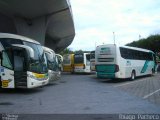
x=72, y=71
x=152, y=72
x=133, y=75
x=0, y=83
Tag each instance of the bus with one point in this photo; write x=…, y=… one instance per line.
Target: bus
x=23, y=62
x=82, y=63
x=114, y=61
x=92, y=60
x=52, y=63
x=68, y=63
x=60, y=61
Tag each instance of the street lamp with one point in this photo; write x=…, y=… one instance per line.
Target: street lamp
x=114, y=38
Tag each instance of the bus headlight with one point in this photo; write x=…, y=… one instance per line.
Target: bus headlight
x=38, y=76
x=31, y=76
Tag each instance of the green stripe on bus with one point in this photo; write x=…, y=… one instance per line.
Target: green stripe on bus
x=105, y=68
x=145, y=67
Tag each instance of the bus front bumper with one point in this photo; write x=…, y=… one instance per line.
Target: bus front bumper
x=33, y=83
x=54, y=75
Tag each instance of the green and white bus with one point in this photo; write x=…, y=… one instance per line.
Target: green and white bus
x=23, y=62
x=114, y=61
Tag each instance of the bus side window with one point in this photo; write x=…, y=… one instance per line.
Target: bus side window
x=6, y=61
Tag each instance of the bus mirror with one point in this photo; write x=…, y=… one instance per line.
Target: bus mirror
x=50, y=56
x=29, y=50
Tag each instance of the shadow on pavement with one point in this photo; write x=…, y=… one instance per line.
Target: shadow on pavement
x=20, y=91
x=106, y=80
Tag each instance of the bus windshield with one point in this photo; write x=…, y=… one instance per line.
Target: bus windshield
x=52, y=64
x=66, y=60
x=38, y=64
x=92, y=55
x=87, y=59
x=78, y=58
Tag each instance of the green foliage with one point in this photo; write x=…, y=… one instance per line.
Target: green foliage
x=151, y=43
x=78, y=51
x=66, y=51
x=69, y=51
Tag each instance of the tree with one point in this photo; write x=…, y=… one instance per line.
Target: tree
x=152, y=43
x=66, y=51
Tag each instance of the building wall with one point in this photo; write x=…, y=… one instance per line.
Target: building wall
x=35, y=28
x=7, y=24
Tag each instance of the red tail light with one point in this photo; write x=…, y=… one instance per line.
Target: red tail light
x=116, y=68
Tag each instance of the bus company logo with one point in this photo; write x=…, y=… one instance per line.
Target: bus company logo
x=9, y=117
x=139, y=116
x=128, y=63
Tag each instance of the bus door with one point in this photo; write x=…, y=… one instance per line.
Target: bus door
x=13, y=72
x=87, y=62
x=6, y=70
x=20, y=67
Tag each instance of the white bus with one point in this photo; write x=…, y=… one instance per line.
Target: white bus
x=60, y=61
x=52, y=63
x=114, y=61
x=92, y=60
x=23, y=62
x=82, y=63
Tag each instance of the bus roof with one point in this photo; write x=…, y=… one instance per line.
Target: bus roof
x=92, y=51
x=134, y=48
x=8, y=35
x=68, y=54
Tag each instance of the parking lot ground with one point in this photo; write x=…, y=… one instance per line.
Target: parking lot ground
x=84, y=94
x=147, y=87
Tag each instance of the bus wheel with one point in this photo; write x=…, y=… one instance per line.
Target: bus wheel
x=152, y=72
x=0, y=84
x=133, y=75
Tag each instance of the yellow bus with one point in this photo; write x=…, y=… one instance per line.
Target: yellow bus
x=82, y=63
x=68, y=63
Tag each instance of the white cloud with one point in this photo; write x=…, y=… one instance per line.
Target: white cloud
x=96, y=20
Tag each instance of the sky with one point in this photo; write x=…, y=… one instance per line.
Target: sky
x=100, y=22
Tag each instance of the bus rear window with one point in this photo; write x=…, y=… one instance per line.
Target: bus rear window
x=92, y=55
x=106, y=51
x=88, y=57
x=66, y=59
x=78, y=58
